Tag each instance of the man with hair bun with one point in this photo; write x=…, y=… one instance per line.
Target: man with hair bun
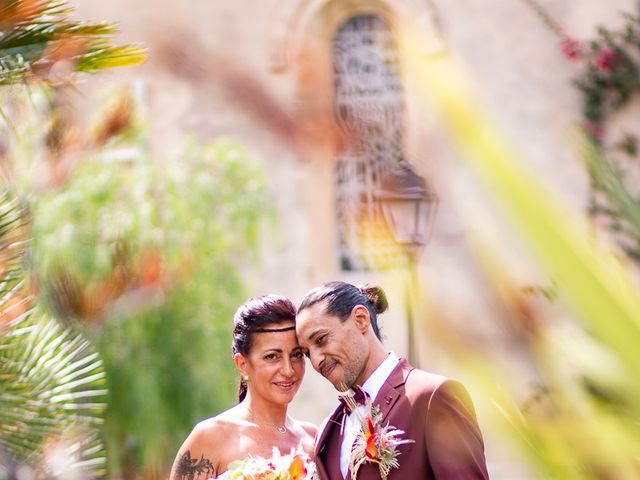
x=337, y=325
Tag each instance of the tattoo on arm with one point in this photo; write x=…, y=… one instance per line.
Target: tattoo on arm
x=193, y=469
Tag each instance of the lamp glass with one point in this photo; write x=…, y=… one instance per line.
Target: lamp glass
x=408, y=219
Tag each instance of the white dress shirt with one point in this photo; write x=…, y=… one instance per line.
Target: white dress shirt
x=352, y=423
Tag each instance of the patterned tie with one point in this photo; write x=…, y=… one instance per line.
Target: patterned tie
x=359, y=398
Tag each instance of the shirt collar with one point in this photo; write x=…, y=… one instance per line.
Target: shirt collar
x=375, y=381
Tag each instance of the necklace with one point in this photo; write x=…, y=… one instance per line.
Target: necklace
x=282, y=429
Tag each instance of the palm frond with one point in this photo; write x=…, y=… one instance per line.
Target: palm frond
x=52, y=384
x=104, y=57
x=14, y=217
x=51, y=396
x=16, y=12
x=35, y=34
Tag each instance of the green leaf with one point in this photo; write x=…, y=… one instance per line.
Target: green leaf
x=33, y=41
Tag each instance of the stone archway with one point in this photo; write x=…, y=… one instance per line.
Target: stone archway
x=301, y=48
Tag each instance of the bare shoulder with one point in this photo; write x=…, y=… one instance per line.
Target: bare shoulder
x=208, y=430
x=306, y=433
x=216, y=427
x=201, y=452
x=197, y=456
x=309, y=428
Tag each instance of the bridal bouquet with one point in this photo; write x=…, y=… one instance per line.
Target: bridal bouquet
x=295, y=466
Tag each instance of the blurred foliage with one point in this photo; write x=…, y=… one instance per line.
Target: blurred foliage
x=146, y=254
x=610, y=74
x=39, y=42
x=166, y=342
x=51, y=379
x=142, y=254
x=584, y=422
x=608, y=80
x=50, y=401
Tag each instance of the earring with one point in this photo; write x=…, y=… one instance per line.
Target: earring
x=245, y=378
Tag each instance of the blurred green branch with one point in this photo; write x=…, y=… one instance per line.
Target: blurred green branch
x=578, y=429
x=147, y=254
x=53, y=384
x=36, y=35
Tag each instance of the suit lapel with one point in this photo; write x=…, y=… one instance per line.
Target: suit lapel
x=325, y=429
x=327, y=458
x=388, y=395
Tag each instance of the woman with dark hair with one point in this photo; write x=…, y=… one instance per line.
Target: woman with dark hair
x=271, y=365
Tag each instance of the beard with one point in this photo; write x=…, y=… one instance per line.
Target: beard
x=350, y=377
x=350, y=374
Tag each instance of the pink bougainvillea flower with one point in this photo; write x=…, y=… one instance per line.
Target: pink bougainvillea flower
x=594, y=129
x=571, y=48
x=607, y=59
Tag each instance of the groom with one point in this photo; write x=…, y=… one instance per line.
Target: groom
x=337, y=325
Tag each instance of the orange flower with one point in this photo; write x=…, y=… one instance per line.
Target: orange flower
x=269, y=475
x=371, y=436
x=296, y=469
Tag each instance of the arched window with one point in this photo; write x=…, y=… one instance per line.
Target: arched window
x=369, y=109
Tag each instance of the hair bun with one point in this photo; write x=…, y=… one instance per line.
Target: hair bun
x=376, y=296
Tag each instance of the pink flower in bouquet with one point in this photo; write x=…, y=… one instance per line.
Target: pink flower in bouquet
x=295, y=466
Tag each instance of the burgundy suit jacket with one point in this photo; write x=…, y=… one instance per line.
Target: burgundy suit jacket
x=435, y=412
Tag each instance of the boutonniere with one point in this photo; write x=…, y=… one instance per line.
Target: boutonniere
x=376, y=442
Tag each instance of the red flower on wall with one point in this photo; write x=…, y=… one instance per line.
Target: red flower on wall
x=607, y=59
x=594, y=129
x=571, y=48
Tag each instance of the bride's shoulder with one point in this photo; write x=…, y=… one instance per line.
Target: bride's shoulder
x=308, y=427
x=306, y=433
x=218, y=426
x=206, y=449
x=200, y=452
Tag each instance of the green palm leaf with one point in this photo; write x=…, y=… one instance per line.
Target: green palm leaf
x=52, y=383
x=51, y=394
x=34, y=35
x=13, y=241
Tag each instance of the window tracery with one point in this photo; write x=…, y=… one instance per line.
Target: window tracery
x=369, y=110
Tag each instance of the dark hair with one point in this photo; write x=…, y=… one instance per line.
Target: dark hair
x=251, y=317
x=341, y=297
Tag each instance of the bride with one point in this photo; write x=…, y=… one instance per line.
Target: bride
x=271, y=365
